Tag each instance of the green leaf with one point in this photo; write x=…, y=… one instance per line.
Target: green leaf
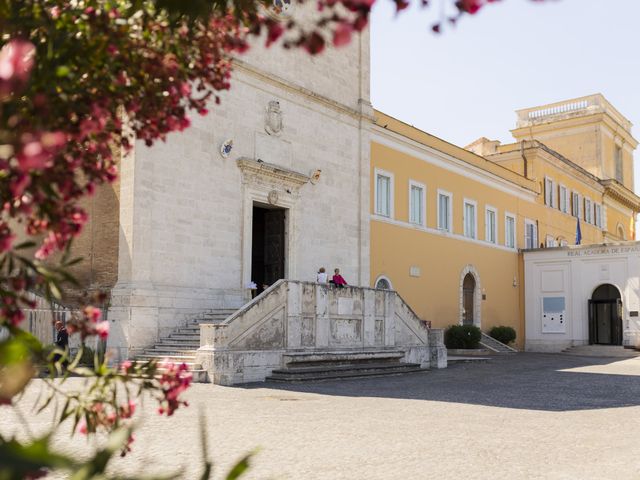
x=239, y=468
x=18, y=460
x=23, y=245
x=62, y=71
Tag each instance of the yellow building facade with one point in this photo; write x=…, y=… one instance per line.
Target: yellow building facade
x=448, y=224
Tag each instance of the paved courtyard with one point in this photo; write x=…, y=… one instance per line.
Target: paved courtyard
x=530, y=416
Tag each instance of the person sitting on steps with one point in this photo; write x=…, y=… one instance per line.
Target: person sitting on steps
x=322, y=276
x=338, y=280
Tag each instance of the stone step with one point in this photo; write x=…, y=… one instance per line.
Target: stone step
x=184, y=343
x=451, y=359
x=341, y=357
x=342, y=371
x=177, y=358
x=159, y=351
x=181, y=335
x=199, y=374
x=602, y=351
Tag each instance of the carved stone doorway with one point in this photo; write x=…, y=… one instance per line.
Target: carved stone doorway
x=268, y=246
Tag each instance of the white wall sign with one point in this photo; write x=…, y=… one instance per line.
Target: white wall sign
x=553, y=315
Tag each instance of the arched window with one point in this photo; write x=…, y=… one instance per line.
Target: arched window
x=621, y=232
x=383, y=283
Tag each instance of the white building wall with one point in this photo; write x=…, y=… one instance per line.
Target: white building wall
x=185, y=238
x=574, y=273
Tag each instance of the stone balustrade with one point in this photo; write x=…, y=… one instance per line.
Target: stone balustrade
x=302, y=316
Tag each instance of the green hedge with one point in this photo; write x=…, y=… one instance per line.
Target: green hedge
x=505, y=335
x=462, y=336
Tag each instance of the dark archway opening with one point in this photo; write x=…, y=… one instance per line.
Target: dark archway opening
x=605, y=316
x=268, y=246
x=468, y=296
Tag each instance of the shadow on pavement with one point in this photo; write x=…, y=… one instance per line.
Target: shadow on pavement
x=523, y=381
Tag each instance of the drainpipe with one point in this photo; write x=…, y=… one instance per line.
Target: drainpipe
x=524, y=158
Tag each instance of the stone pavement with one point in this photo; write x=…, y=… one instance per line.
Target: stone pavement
x=525, y=416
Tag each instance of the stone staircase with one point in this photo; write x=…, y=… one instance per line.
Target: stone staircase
x=495, y=346
x=310, y=366
x=181, y=345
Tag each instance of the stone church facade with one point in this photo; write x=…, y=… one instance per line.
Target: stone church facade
x=272, y=183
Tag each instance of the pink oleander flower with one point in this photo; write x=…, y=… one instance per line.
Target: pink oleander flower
x=174, y=381
x=102, y=329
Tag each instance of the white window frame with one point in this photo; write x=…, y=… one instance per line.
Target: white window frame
x=487, y=209
x=450, y=219
x=515, y=235
x=423, y=211
x=597, y=212
x=383, y=277
x=535, y=232
x=564, y=199
x=550, y=241
x=577, y=203
x=588, y=210
x=384, y=173
x=474, y=204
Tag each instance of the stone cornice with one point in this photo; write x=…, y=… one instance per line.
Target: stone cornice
x=276, y=173
x=365, y=111
x=621, y=194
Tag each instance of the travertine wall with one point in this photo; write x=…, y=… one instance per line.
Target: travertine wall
x=185, y=210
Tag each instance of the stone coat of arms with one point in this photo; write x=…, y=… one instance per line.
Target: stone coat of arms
x=273, y=121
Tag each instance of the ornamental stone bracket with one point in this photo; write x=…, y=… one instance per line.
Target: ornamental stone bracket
x=269, y=176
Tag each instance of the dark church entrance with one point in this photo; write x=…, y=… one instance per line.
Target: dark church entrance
x=268, y=245
x=605, y=316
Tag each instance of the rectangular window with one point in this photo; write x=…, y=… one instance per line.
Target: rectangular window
x=588, y=211
x=576, y=210
x=491, y=225
x=598, y=215
x=444, y=211
x=618, y=162
x=384, y=194
x=510, y=231
x=530, y=234
x=548, y=191
x=549, y=241
x=564, y=199
x=469, y=218
x=416, y=203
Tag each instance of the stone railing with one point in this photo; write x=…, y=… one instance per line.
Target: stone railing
x=303, y=316
x=584, y=105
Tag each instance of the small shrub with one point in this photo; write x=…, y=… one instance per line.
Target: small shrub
x=505, y=335
x=462, y=336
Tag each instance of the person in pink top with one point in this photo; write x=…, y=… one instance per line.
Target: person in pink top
x=338, y=280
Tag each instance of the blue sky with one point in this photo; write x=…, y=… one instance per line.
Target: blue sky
x=466, y=82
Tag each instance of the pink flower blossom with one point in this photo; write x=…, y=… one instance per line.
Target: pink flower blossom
x=342, y=34
x=16, y=60
x=82, y=427
x=102, y=329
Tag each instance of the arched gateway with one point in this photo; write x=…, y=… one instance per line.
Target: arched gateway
x=605, y=316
